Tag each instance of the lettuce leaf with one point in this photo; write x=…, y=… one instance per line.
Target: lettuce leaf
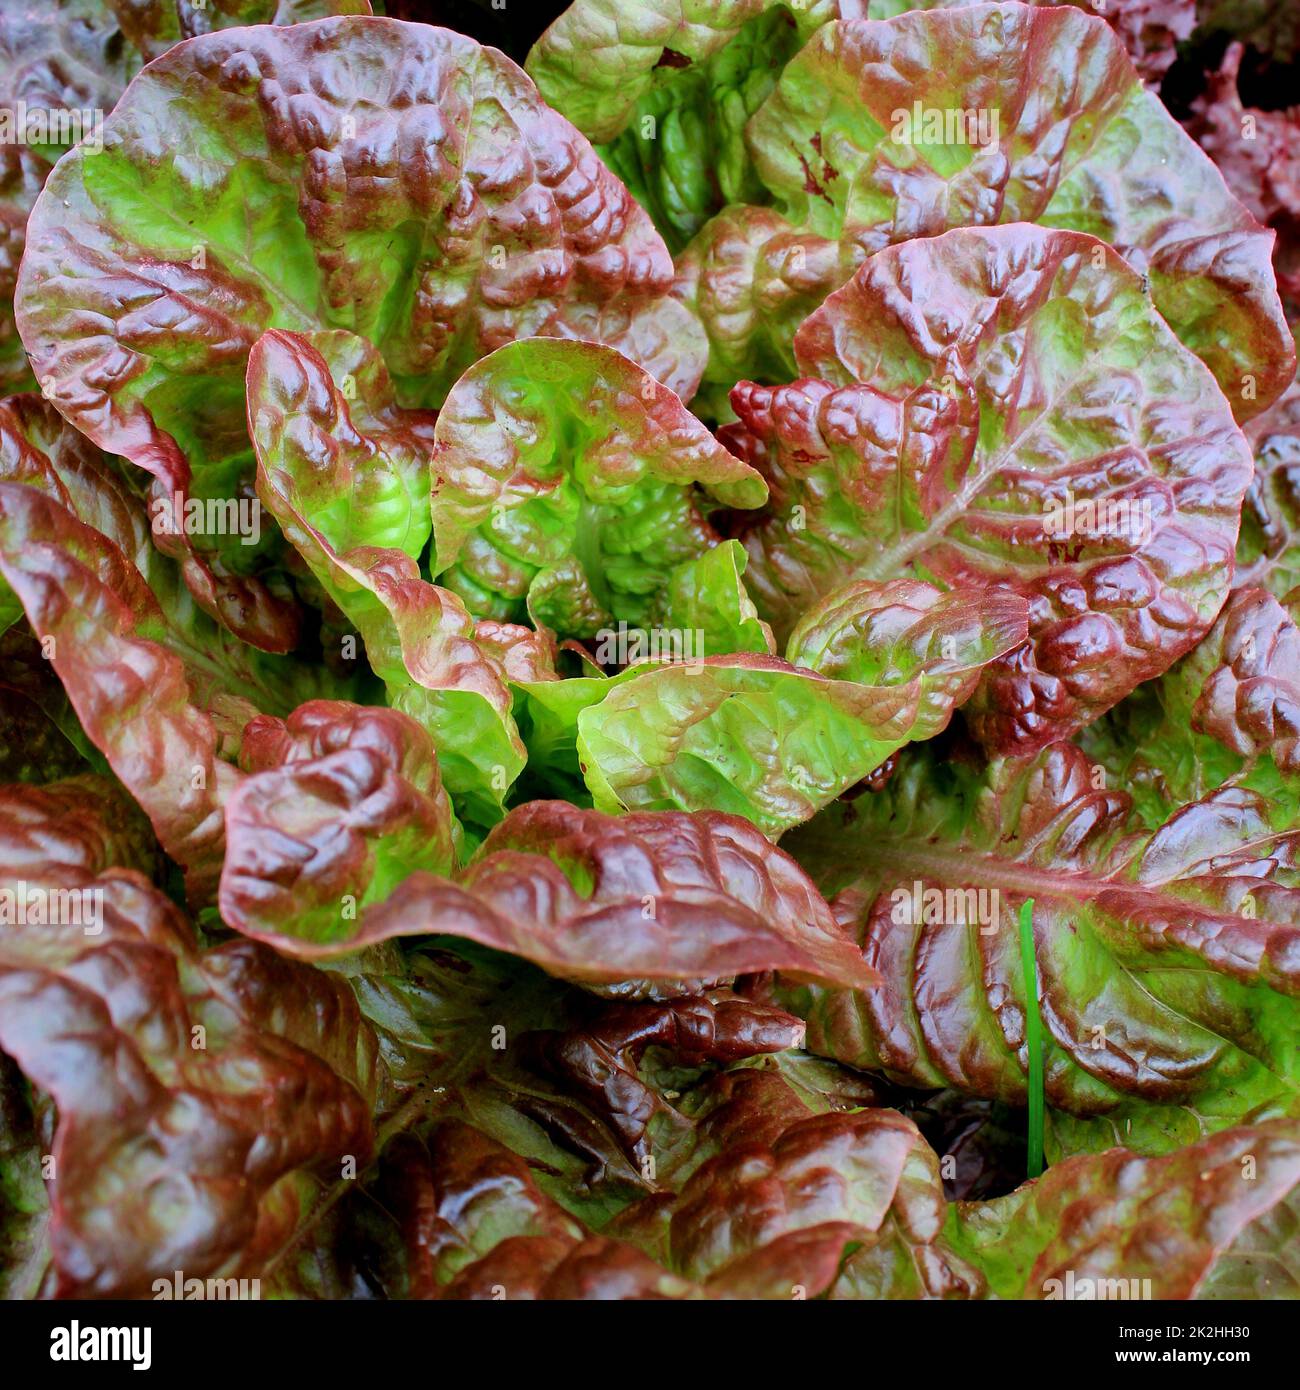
x=440, y=214
x=873, y=136
x=1167, y=959
x=564, y=487
x=357, y=526
x=654, y=905
x=1004, y=407
x=875, y=667
x=206, y=1099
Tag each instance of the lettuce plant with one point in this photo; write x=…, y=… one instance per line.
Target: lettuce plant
x=550, y=636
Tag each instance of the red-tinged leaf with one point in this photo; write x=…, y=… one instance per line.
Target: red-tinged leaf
x=159, y=689
x=652, y=904
x=598, y=1059
x=1004, y=407
x=95, y=615
x=1212, y=1221
x=520, y=653
x=850, y=1203
x=202, y=1096
x=1258, y=154
x=397, y=180
x=1168, y=962
x=343, y=802
x=45, y=835
x=68, y=63
x=1268, y=549
x=477, y=1226
x=670, y=87
x=1227, y=714
x=1248, y=673
x=343, y=480
x=878, y=132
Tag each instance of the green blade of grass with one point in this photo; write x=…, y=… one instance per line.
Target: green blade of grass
x=1034, y=1038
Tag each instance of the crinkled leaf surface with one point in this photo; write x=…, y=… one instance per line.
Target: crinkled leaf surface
x=1268, y=548
x=477, y=1225
x=660, y=903
x=355, y=524
x=1167, y=961
x=361, y=211
x=1004, y=407
x=670, y=85
x=1079, y=144
x=343, y=802
x=92, y=610
x=605, y=1099
x=204, y=1098
x=44, y=838
x=157, y=687
x=867, y=1183
x=600, y=58
x=564, y=487
x=809, y=1187
x=1215, y=1220
x=396, y=180
x=874, y=668
x=39, y=449
x=78, y=55
x=1258, y=154
x=1229, y=710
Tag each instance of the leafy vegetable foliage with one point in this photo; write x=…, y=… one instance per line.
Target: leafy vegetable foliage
x=414, y=189
x=403, y=689
x=1033, y=425
x=848, y=146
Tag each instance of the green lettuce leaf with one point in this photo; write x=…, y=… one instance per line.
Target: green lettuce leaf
x=564, y=487
x=707, y=599
x=775, y=740
x=873, y=135
x=1213, y=1221
x=320, y=191
x=356, y=524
